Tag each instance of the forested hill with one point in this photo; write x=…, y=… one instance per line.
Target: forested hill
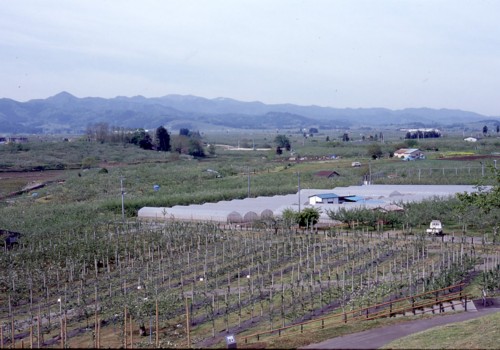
x=65, y=113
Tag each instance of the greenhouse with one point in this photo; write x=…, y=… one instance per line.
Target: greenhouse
x=252, y=209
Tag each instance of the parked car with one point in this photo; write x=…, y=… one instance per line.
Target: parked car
x=435, y=228
x=356, y=164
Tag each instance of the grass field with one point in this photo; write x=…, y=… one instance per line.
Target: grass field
x=480, y=333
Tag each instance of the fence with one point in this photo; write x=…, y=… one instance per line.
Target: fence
x=422, y=174
x=414, y=303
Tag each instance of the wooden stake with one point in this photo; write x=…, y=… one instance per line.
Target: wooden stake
x=157, y=326
x=125, y=328
x=98, y=334
x=13, y=340
x=38, y=328
x=131, y=334
x=31, y=334
x=65, y=329
x=13, y=333
x=188, y=331
x=95, y=328
x=61, y=322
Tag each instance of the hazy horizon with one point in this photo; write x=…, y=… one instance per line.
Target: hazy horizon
x=343, y=54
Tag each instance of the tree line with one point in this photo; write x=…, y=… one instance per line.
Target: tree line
x=186, y=142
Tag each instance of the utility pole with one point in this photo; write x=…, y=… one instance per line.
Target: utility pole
x=248, y=171
x=123, y=197
x=298, y=177
x=370, y=172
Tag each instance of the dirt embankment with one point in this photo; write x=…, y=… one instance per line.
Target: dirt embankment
x=27, y=180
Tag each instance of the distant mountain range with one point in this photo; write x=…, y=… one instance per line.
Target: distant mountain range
x=65, y=113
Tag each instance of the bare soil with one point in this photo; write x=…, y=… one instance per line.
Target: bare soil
x=471, y=158
x=12, y=182
x=31, y=176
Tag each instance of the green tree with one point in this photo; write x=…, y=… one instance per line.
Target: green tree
x=196, y=148
x=374, y=151
x=180, y=144
x=211, y=149
x=282, y=141
x=290, y=217
x=141, y=138
x=146, y=142
x=486, y=200
x=162, y=139
x=308, y=217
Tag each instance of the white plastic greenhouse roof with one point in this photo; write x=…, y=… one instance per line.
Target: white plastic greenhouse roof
x=373, y=196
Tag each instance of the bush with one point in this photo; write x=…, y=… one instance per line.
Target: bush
x=308, y=217
x=88, y=162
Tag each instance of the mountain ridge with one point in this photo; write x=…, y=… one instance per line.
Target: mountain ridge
x=66, y=113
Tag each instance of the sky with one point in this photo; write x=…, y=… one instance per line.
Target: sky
x=356, y=54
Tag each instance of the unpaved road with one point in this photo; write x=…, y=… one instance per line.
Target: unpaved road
x=378, y=337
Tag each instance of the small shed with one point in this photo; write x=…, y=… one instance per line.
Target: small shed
x=352, y=199
x=323, y=198
x=409, y=153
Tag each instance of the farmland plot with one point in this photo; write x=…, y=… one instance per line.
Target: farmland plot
x=106, y=286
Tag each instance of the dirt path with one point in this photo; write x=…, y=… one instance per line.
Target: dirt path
x=378, y=337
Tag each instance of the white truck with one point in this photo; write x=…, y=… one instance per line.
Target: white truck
x=435, y=228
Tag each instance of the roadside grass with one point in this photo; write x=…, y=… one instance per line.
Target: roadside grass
x=295, y=340
x=479, y=333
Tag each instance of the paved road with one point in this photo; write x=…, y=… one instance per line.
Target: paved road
x=377, y=337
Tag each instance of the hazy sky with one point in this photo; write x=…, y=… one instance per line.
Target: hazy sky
x=377, y=53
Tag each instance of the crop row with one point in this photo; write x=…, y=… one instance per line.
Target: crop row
x=248, y=280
